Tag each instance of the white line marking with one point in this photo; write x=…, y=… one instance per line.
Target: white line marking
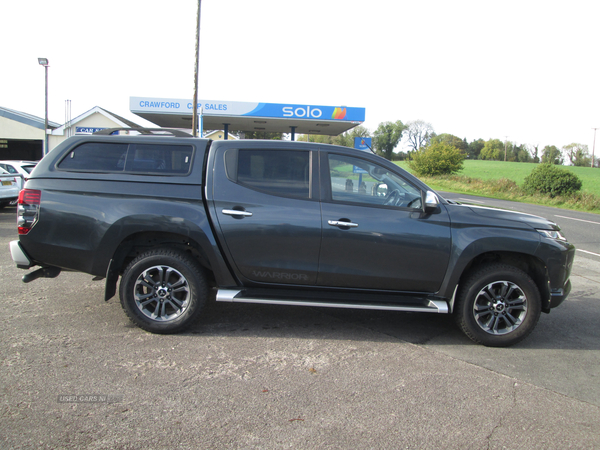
x=579, y=220
x=585, y=251
x=469, y=200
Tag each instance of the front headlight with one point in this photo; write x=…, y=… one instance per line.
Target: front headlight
x=552, y=234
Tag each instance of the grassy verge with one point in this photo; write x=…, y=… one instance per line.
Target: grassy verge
x=497, y=179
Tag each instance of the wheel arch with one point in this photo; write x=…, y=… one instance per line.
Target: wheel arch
x=531, y=265
x=135, y=244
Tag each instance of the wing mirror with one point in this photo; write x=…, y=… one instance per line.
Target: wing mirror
x=431, y=201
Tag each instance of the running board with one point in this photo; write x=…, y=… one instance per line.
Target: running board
x=432, y=306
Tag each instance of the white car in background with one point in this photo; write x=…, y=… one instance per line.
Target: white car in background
x=22, y=168
x=10, y=185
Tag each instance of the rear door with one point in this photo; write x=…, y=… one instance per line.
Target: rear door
x=266, y=204
x=375, y=234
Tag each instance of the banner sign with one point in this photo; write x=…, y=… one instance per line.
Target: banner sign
x=223, y=108
x=363, y=143
x=87, y=130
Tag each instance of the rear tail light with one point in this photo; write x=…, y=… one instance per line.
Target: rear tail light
x=28, y=209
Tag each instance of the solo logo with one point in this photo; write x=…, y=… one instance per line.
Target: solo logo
x=314, y=113
x=301, y=111
x=339, y=113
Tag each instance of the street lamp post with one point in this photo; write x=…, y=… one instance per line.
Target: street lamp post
x=44, y=62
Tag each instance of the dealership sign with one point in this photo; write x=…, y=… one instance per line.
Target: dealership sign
x=87, y=130
x=270, y=110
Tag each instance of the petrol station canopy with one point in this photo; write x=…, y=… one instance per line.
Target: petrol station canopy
x=248, y=116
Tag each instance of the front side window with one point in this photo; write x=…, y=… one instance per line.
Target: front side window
x=278, y=172
x=356, y=180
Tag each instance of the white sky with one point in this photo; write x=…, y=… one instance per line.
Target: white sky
x=524, y=70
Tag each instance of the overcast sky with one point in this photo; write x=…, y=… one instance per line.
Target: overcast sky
x=526, y=71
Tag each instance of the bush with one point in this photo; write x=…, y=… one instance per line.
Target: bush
x=551, y=180
x=436, y=159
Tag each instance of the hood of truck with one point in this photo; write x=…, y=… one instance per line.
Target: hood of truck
x=505, y=215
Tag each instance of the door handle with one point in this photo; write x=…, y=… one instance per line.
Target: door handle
x=339, y=223
x=235, y=212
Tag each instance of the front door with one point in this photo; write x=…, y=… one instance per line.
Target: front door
x=375, y=234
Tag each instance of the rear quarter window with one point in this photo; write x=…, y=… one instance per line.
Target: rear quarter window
x=160, y=159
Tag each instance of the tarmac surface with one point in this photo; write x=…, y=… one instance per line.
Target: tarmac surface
x=76, y=374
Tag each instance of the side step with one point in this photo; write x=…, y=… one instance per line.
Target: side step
x=432, y=306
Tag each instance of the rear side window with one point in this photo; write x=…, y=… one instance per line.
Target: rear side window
x=9, y=168
x=277, y=172
x=96, y=157
x=161, y=159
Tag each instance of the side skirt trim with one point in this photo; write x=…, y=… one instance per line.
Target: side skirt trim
x=234, y=296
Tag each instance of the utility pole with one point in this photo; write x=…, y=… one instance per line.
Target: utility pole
x=594, y=147
x=195, y=101
x=505, y=141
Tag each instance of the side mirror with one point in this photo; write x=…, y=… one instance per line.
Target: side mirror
x=380, y=190
x=431, y=201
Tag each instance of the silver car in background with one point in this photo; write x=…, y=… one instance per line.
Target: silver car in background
x=10, y=185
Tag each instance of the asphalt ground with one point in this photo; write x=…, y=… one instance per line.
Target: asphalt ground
x=76, y=374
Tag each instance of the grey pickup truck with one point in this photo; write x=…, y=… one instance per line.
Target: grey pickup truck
x=280, y=222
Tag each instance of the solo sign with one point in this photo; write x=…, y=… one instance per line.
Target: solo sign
x=302, y=111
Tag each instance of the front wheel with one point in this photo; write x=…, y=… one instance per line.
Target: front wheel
x=498, y=305
x=163, y=290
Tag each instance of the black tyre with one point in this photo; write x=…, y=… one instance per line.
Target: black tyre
x=497, y=305
x=163, y=290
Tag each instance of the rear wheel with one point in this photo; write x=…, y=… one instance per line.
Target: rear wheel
x=498, y=305
x=163, y=290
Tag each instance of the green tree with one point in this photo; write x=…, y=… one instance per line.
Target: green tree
x=474, y=148
x=320, y=138
x=578, y=154
x=493, y=150
x=438, y=158
x=517, y=153
x=534, y=151
x=551, y=155
x=259, y=135
x=347, y=138
x=522, y=153
x=419, y=133
x=451, y=140
x=387, y=136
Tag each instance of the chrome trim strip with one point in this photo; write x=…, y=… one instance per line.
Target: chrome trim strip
x=442, y=306
x=435, y=306
x=227, y=295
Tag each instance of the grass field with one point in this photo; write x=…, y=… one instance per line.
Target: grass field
x=495, y=170
x=497, y=179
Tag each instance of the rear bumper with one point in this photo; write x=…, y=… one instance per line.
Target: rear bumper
x=19, y=256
